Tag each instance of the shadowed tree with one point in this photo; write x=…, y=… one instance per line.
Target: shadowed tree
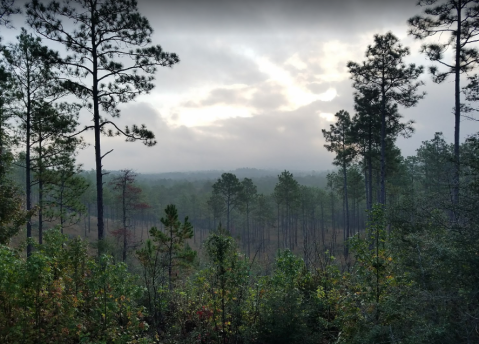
x=395, y=82
x=339, y=138
x=458, y=18
x=8, y=97
x=216, y=205
x=248, y=196
x=366, y=130
x=173, y=238
x=52, y=149
x=167, y=248
x=229, y=188
x=286, y=193
x=129, y=196
x=7, y=8
x=366, y=125
x=12, y=214
x=64, y=191
x=109, y=61
x=29, y=63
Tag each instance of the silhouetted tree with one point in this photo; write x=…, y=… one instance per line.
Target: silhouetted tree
x=385, y=71
x=459, y=19
x=248, y=195
x=229, y=188
x=339, y=138
x=129, y=196
x=29, y=63
x=7, y=8
x=95, y=33
x=286, y=193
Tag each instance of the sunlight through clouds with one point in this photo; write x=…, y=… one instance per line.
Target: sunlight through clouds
x=207, y=104
x=296, y=93
x=299, y=80
x=333, y=58
x=329, y=117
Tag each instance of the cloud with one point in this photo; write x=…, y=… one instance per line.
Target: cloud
x=270, y=17
x=258, y=80
x=282, y=140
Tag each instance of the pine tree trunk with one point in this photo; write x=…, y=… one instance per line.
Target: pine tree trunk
x=382, y=199
x=346, y=215
x=457, y=107
x=124, y=217
x=40, y=190
x=96, y=120
x=28, y=169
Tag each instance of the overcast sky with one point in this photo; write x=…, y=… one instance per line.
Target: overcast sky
x=257, y=82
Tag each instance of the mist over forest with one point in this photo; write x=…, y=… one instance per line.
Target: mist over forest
x=355, y=220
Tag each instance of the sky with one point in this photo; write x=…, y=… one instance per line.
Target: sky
x=258, y=80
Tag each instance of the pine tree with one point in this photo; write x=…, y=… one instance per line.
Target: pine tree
x=64, y=188
x=366, y=129
x=129, y=197
x=229, y=188
x=172, y=239
x=110, y=61
x=30, y=64
x=286, y=194
x=7, y=8
x=52, y=150
x=459, y=19
x=248, y=196
x=385, y=72
x=339, y=138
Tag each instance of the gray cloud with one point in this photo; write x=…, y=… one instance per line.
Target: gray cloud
x=209, y=36
x=269, y=96
x=270, y=16
x=265, y=96
x=279, y=140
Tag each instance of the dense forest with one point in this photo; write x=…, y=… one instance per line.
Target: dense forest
x=382, y=248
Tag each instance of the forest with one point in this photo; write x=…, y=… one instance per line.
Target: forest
x=382, y=248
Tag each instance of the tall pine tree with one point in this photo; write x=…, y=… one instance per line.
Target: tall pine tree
x=110, y=60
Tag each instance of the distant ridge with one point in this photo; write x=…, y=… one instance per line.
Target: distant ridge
x=215, y=174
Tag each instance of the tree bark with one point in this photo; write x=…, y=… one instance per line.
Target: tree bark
x=457, y=106
x=96, y=119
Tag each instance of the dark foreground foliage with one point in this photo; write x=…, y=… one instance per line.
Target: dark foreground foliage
x=411, y=279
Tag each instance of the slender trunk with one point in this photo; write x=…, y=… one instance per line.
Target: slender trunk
x=228, y=215
x=377, y=275
x=170, y=260
x=322, y=225
x=278, y=226
x=366, y=183
x=62, y=218
x=378, y=185
x=382, y=199
x=84, y=225
x=28, y=169
x=124, y=216
x=346, y=204
x=247, y=230
x=457, y=106
x=96, y=120
x=40, y=211
x=40, y=188
x=370, y=170
x=89, y=217
x=333, y=224
x=305, y=237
